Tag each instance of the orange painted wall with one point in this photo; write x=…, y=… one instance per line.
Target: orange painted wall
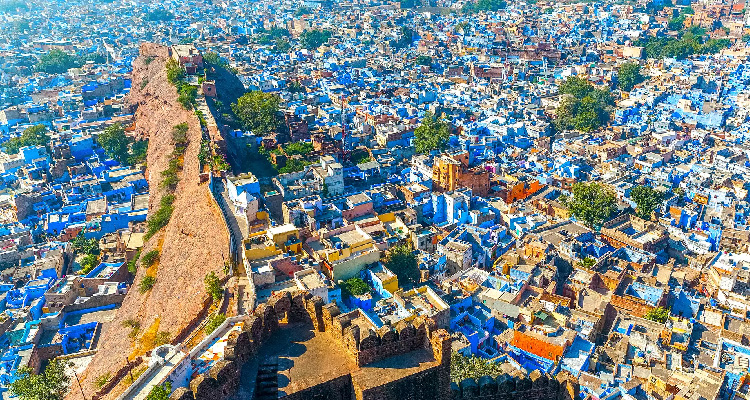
x=536, y=346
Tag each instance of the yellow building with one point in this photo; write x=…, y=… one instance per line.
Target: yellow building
x=274, y=241
x=344, y=254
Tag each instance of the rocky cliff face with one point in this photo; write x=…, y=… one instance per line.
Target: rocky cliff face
x=194, y=242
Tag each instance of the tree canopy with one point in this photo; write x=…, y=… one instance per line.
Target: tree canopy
x=32, y=136
x=592, y=203
x=258, y=111
x=355, y=287
x=160, y=392
x=402, y=262
x=314, y=38
x=213, y=286
x=115, y=142
x=583, y=107
x=406, y=38
x=52, y=384
x=301, y=148
x=432, y=134
x=273, y=35
x=159, y=14
x=57, y=62
x=689, y=41
x=303, y=11
x=483, y=5
x=463, y=367
x=424, y=60
x=629, y=75
x=647, y=199
x=658, y=314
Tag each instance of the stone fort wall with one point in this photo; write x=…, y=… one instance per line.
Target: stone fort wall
x=222, y=380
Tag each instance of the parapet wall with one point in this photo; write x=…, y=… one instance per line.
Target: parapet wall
x=537, y=386
x=222, y=380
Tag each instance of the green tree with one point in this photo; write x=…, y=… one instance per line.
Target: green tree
x=587, y=262
x=402, y=261
x=676, y=23
x=282, y=46
x=159, y=14
x=301, y=148
x=302, y=11
x=32, y=136
x=57, y=62
x=214, y=321
x=175, y=73
x=314, y=38
x=463, y=367
x=160, y=392
x=258, y=111
x=213, y=286
x=432, y=134
x=658, y=314
x=114, y=142
x=576, y=87
x=647, y=199
x=138, y=152
x=355, y=287
x=689, y=42
x=629, y=75
x=150, y=258
x=81, y=245
x=88, y=263
x=133, y=263
x=295, y=87
x=212, y=58
x=187, y=95
x=147, y=283
x=582, y=106
x=424, y=60
x=52, y=384
x=483, y=5
x=592, y=203
x=293, y=165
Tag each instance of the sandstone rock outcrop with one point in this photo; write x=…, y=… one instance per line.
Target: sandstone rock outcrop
x=194, y=242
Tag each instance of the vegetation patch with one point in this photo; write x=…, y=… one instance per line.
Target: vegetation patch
x=582, y=106
x=592, y=203
x=354, y=287
x=134, y=326
x=120, y=147
x=214, y=321
x=133, y=263
x=147, y=283
x=213, y=286
x=688, y=42
x=658, y=314
x=402, y=261
x=50, y=385
x=463, y=367
x=33, y=136
x=432, y=134
x=150, y=258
